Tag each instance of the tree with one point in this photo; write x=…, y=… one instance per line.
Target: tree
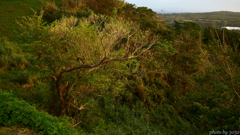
x=105, y=7
x=71, y=48
x=143, y=15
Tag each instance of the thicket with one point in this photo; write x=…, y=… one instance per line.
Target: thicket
x=11, y=56
x=17, y=112
x=124, y=72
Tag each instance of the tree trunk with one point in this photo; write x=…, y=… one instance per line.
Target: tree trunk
x=62, y=98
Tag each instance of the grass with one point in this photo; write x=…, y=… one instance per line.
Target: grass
x=12, y=10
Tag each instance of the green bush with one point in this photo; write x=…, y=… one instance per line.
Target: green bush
x=84, y=13
x=11, y=56
x=50, y=10
x=16, y=112
x=121, y=118
x=23, y=77
x=66, y=8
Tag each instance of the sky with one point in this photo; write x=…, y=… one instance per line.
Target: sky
x=188, y=5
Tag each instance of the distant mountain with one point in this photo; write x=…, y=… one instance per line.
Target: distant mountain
x=181, y=12
x=169, y=10
x=213, y=12
x=166, y=12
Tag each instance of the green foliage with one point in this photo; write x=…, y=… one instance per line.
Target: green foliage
x=145, y=16
x=224, y=36
x=112, y=116
x=210, y=113
x=187, y=83
x=19, y=112
x=32, y=26
x=66, y=8
x=11, y=56
x=63, y=32
x=213, y=104
x=187, y=41
x=23, y=77
x=70, y=42
x=84, y=13
x=105, y=7
x=50, y=11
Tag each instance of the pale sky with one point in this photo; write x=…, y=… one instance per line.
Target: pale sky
x=189, y=5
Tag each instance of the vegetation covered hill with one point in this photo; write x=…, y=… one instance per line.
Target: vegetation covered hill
x=215, y=19
x=109, y=67
x=13, y=10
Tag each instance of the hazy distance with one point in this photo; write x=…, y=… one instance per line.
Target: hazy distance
x=176, y=6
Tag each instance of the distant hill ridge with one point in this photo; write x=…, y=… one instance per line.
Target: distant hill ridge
x=180, y=12
x=216, y=19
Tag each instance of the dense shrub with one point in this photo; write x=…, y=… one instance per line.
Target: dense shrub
x=16, y=112
x=11, y=56
x=66, y=8
x=50, y=10
x=111, y=116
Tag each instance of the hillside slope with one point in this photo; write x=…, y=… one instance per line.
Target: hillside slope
x=13, y=10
